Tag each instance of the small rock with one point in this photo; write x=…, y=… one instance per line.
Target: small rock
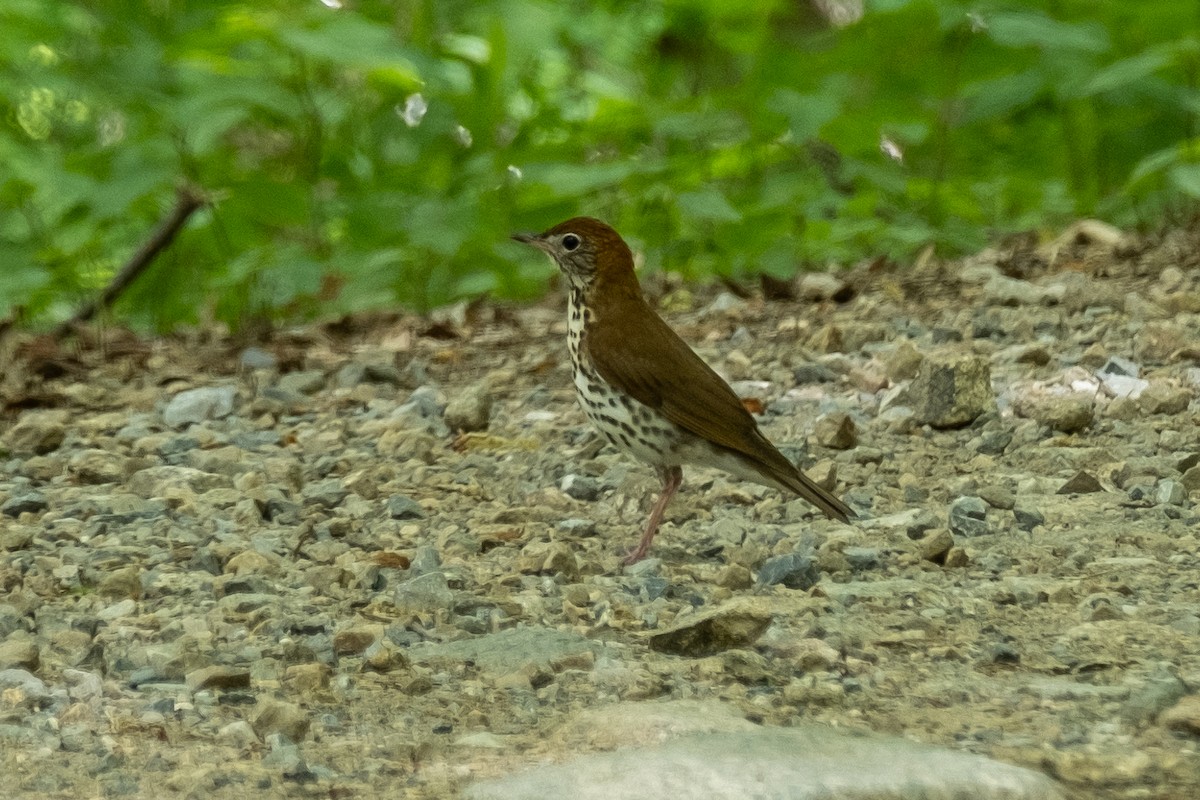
x=470, y=410
x=1004, y=291
x=806, y=374
x=239, y=734
x=950, y=391
x=1081, y=482
x=401, y=506
x=257, y=358
x=1170, y=492
x=307, y=381
x=549, y=559
x=277, y=716
x=827, y=339
x=37, y=432
x=736, y=624
x=305, y=678
x=424, y=593
x=935, y=544
x=836, y=431
x=580, y=487
x=1069, y=413
x=1027, y=515
x=968, y=517
x=902, y=361
x=218, y=676
x=1164, y=398
x=196, y=405
x=97, y=466
x=735, y=577
x=793, y=570
x=19, y=653
x=31, y=502
x=125, y=583
x=583, y=528
x=863, y=558
x=355, y=640
x=819, y=286
x=328, y=493
x=1161, y=692
x=1184, y=716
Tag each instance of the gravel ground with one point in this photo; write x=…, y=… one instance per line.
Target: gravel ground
x=381, y=557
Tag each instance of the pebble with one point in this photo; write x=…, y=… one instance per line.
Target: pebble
x=951, y=390
x=836, y=431
x=197, y=405
x=793, y=570
x=738, y=623
x=280, y=717
x=403, y=507
x=580, y=487
x=470, y=409
x=25, y=503
x=968, y=517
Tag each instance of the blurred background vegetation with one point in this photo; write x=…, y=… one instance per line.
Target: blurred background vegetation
x=366, y=153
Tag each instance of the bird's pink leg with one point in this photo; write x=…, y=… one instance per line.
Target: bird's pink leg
x=672, y=477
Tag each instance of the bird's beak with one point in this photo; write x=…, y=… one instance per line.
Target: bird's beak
x=532, y=239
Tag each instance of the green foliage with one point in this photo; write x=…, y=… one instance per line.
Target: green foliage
x=724, y=138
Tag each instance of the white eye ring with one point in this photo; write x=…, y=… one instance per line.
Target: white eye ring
x=570, y=242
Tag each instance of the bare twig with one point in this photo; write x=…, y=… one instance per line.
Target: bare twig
x=189, y=201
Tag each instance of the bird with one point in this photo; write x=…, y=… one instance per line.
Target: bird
x=644, y=389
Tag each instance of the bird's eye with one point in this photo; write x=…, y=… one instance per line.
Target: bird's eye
x=570, y=242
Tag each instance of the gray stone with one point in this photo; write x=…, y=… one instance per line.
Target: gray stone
x=1081, y=482
x=806, y=374
x=328, y=493
x=37, y=432
x=218, y=676
x=196, y=405
x=403, y=507
x=580, y=487
x=32, y=502
x=950, y=391
x=277, y=716
x=1004, y=291
x=1164, y=398
x=257, y=358
x=735, y=624
x=836, y=431
x=1027, y=515
x=800, y=763
x=97, y=466
x=968, y=517
x=19, y=653
x=424, y=593
x=1070, y=413
x=308, y=381
x=470, y=410
x=863, y=558
x=586, y=527
x=793, y=570
x=512, y=650
x=1170, y=492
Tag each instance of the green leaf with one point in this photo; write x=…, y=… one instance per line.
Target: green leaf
x=1186, y=178
x=806, y=113
x=1121, y=73
x=1031, y=29
x=708, y=205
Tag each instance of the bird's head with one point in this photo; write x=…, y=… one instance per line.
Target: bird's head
x=586, y=250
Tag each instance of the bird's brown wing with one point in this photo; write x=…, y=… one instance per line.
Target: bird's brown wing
x=687, y=392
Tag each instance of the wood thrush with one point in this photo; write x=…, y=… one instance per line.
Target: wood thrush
x=644, y=388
